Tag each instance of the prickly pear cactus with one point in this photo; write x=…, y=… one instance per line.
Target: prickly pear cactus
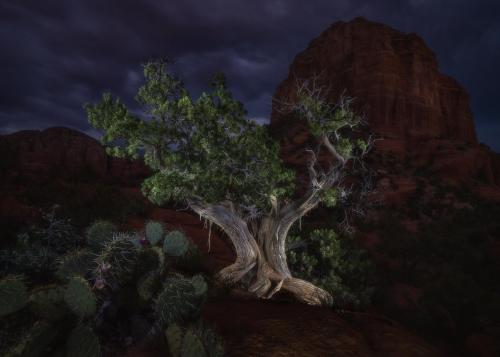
x=80, y=298
x=13, y=295
x=199, y=284
x=83, y=343
x=150, y=259
x=192, y=346
x=47, y=302
x=148, y=285
x=175, y=244
x=99, y=233
x=154, y=232
x=174, y=336
x=117, y=261
x=177, y=302
x=76, y=263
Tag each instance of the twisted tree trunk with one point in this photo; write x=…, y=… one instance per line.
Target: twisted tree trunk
x=260, y=251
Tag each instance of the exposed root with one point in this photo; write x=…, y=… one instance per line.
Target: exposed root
x=276, y=289
x=307, y=292
x=234, y=272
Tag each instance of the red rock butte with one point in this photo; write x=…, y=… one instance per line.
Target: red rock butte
x=394, y=77
x=422, y=115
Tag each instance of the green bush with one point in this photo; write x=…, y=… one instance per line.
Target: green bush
x=335, y=264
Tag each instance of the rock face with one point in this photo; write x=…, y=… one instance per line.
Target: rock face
x=64, y=153
x=393, y=75
x=422, y=116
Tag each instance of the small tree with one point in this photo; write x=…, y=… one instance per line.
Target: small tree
x=204, y=153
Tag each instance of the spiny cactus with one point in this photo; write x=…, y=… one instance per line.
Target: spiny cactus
x=174, y=335
x=13, y=295
x=99, y=233
x=199, y=284
x=48, y=302
x=150, y=259
x=175, y=244
x=117, y=261
x=83, y=342
x=76, y=263
x=192, y=346
x=197, y=340
x=148, y=285
x=177, y=301
x=154, y=232
x=80, y=298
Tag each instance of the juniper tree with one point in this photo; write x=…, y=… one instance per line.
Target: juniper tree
x=205, y=153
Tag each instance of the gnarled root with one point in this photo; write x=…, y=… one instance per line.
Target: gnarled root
x=307, y=292
x=235, y=272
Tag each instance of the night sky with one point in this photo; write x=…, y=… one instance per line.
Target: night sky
x=57, y=55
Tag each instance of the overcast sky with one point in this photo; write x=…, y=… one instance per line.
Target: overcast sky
x=57, y=55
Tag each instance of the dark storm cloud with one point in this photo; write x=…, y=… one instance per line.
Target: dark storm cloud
x=57, y=55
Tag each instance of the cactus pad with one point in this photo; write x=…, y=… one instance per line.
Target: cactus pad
x=99, y=233
x=83, y=343
x=48, y=302
x=154, y=232
x=177, y=302
x=175, y=244
x=80, y=298
x=174, y=336
x=13, y=295
x=199, y=284
x=77, y=263
x=192, y=346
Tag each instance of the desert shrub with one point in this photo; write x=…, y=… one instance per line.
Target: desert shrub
x=334, y=263
x=37, y=248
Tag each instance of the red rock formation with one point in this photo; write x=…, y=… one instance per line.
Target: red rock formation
x=65, y=153
x=422, y=116
x=394, y=77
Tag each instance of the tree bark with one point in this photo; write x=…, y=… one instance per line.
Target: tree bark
x=261, y=254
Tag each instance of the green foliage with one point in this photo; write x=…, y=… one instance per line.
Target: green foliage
x=183, y=138
x=47, y=302
x=38, y=247
x=99, y=233
x=83, y=342
x=329, y=197
x=76, y=263
x=154, y=232
x=178, y=301
x=80, y=298
x=335, y=264
x=13, y=295
x=175, y=244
